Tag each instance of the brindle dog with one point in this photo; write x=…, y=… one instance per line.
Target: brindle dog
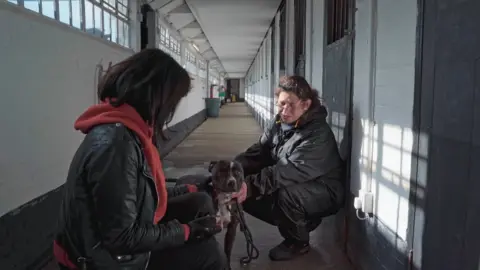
x=227, y=178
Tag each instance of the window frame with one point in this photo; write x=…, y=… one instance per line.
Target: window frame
x=117, y=9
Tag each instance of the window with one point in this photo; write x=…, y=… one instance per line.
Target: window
x=108, y=19
x=107, y=25
x=174, y=45
x=48, y=8
x=76, y=14
x=272, y=49
x=338, y=19
x=89, y=24
x=190, y=57
x=64, y=11
x=163, y=35
x=202, y=65
x=97, y=16
x=33, y=5
x=283, y=37
x=121, y=33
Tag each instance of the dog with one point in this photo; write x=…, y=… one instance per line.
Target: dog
x=227, y=178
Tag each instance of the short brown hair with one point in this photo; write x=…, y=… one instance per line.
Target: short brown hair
x=300, y=87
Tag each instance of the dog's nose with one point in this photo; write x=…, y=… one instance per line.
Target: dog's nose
x=231, y=184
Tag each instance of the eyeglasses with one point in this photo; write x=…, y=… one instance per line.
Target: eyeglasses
x=283, y=105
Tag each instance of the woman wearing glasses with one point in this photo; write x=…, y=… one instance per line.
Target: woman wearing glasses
x=294, y=173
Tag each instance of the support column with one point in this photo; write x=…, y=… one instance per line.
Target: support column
x=207, y=71
x=308, y=40
x=318, y=44
x=290, y=42
x=135, y=25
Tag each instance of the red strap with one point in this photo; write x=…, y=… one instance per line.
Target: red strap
x=62, y=257
x=186, y=230
x=192, y=188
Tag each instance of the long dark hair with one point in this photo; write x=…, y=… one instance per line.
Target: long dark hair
x=150, y=81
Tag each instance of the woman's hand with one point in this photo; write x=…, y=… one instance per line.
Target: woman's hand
x=241, y=195
x=203, y=227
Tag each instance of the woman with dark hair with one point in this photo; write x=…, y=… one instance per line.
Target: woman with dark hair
x=294, y=173
x=117, y=212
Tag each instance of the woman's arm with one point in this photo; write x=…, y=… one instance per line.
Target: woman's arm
x=112, y=174
x=313, y=158
x=257, y=156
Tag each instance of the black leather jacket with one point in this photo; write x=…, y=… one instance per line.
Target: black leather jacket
x=109, y=202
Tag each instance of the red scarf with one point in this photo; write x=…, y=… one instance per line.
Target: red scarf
x=107, y=114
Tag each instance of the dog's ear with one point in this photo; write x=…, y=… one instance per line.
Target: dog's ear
x=212, y=164
x=237, y=166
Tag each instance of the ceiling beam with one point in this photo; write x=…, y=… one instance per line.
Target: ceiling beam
x=166, y=6
x=191, y=25
x=185, y=25
x=181, y=9
x=210, y=49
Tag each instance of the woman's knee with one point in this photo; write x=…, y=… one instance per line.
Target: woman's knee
x=287, y=199
x=216, y=258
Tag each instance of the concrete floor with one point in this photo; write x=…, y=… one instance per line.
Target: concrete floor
x=223, y=138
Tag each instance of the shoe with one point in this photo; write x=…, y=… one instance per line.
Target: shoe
x=288, y=250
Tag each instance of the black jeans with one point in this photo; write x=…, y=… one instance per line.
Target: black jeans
x=205, y=255
x=297, y=209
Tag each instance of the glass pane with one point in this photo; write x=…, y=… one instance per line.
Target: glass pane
x=109, y=5
x=107, y=29
x=126, y=31
x=48, y=8
x=97, y=12
x=114, y=26
x=64, y=11
x=122, y=7
x=32, y=5
x=76, y=13
x=89, y=26
x=13, y=1
x=121, y=34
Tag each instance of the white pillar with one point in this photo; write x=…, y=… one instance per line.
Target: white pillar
x=308, y=40
x=318, y=44
x=277, y=52
x=135, y=21
x=290, y=42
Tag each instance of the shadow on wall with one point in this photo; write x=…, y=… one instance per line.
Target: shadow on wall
x=381, y=242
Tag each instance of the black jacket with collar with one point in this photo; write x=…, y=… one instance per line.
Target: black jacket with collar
x=109, y=203
x=306, y=152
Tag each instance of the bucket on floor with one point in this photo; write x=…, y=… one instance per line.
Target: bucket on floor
x=213, y=106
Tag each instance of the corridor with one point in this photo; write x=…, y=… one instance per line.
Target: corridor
x=400, y=81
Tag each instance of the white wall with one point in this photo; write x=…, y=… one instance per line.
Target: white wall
x=194, y=102
x=383, y=103
x=48, y=77
x=47, y=72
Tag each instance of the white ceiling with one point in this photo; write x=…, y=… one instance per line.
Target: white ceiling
x=227, y=32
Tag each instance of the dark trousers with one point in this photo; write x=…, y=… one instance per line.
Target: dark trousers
x=205, y=255
x=297, y=209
